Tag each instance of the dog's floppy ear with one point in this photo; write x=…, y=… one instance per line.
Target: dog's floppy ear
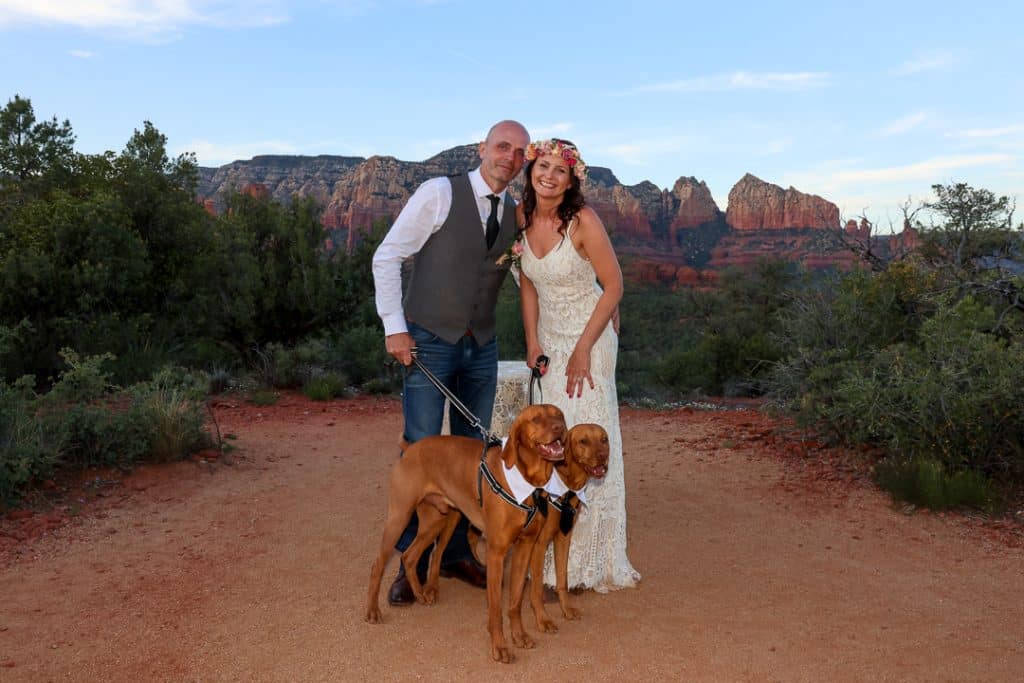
x=568, y=443
x=511, y=453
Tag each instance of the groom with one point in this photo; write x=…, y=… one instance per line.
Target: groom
x=453, y=229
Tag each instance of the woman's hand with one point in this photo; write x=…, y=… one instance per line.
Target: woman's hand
x=577, y=371
x=533, y=352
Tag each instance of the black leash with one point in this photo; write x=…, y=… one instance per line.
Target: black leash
x=540, y=501
x=474, y=421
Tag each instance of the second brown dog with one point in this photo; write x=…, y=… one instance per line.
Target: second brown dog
x=586, y=458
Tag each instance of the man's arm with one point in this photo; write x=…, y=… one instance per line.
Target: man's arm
x=422, y=216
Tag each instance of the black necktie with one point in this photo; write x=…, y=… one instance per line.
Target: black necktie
x=492, y=221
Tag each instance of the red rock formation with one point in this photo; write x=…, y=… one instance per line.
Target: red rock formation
x=687, y=276
x=757, y=205
x=256, y=191
x=859, y=231
x=675, y=238
x=906, y=241
x=668, y=274
x=695, y=204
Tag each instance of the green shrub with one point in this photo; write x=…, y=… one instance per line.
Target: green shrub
x=191, y=384
x=836, y=324
x=361, y=354
x=954, y=398
x=926, y=482
x=381, y=386
x=102, y=434
x=175, y=423
x=218, y=380
x=28, y=451
x=263, y=397
x=325, y=387
x=83, y=380
x=296, y=366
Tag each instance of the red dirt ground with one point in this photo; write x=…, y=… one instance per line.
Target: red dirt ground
x=764, y=558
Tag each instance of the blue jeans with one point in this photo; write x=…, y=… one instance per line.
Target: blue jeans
x=470, y=372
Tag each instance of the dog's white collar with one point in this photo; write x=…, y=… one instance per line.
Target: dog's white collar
x=520, y=489
x=557, y=488
x=517, y=484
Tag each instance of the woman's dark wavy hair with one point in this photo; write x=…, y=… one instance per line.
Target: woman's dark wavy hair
x=571, y=204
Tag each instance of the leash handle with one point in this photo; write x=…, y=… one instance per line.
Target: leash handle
x=536, y=372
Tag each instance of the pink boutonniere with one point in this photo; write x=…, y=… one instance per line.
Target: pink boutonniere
x=514, y=254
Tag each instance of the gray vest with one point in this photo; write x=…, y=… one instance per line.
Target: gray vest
x=451, y=285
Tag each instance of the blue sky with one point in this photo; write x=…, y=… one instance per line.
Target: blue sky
x=865, y=104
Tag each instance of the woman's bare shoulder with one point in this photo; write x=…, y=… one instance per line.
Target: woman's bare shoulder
x=589, y=220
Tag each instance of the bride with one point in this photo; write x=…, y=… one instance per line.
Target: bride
x=567, y=315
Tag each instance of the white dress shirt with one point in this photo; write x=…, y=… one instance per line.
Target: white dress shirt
x=423, y=215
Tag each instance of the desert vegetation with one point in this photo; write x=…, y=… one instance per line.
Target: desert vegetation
x=124, y=303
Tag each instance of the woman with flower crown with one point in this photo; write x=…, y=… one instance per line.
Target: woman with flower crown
x=571, y=285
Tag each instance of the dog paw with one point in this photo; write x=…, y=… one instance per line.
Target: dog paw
x=501, y=653
x=429, y=595
x=572, y=614
x=521, y=640
x=373, y=615
x=547, y=626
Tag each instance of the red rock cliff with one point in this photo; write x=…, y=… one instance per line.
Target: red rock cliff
x=757, y=205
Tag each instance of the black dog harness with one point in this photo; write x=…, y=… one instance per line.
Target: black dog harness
x=539, y=495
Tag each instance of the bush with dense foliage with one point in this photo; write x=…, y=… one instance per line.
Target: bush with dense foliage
x=924, y=356
x=84, y=421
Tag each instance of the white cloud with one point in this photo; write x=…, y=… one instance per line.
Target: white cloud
x=632, y=155
x=931, y=61
x=857, y=190
x=777, y=146
x=640, y=149
x=989, y=132
x=81, y=54
x=904, y=124
x=552, y=130
x=141, y=18
x=929, y=170
x=740, y=80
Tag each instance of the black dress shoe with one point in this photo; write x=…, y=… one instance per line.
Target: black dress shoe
x=468, y=570
x=400, y=592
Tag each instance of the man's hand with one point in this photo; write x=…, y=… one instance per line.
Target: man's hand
x=400, y=346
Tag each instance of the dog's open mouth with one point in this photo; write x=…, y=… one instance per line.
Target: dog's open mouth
x=552, y=451
x=598, y=471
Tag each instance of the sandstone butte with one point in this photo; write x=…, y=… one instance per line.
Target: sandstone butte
x=676, y=237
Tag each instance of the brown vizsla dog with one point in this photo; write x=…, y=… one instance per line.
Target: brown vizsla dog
x=438, y=477
x=586, y=458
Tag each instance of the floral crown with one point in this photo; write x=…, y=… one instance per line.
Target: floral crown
x=564, y=149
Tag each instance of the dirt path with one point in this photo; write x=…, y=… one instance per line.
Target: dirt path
x=755, y=569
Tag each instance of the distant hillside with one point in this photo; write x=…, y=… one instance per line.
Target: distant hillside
x=677, y=236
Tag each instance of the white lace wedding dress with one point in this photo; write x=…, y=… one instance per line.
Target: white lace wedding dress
x=567, y=292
